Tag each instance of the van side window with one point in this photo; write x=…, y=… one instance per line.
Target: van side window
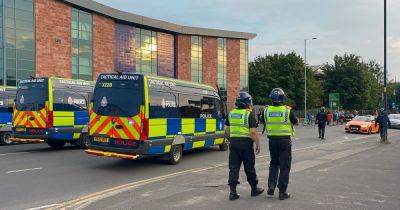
x=207, y=107
x=64, y=100
x=163, y=105
x=190, y=106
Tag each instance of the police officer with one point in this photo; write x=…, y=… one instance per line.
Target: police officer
x=321, y=120
x=279, y=121
x=242, y=131
x=379, y=120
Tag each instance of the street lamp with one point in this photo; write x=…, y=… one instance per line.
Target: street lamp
x=385, y=116
x=305, y=76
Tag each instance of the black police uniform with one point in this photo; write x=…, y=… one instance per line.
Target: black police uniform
x=241, y=149
x=280, y=149
x=321, y=119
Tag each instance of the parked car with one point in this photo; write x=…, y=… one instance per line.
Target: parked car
x=362, y=124
x=394, y=120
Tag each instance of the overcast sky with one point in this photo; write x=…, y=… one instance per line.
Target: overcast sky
x=341, y=26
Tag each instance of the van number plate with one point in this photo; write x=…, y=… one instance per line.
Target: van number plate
x=20, y=129
x=101, y=139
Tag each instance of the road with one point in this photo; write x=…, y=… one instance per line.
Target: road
x=32, y=175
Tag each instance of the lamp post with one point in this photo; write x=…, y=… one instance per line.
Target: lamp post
x=385, y=116
x=305, y=76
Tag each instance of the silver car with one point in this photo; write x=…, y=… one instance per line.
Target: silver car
x=394, y=120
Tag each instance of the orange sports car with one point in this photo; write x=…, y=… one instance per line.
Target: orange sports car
x=362, y=124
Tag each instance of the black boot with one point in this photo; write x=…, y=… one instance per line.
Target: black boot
x=255, y=191
x=233, y=194
x=271, y=191
x=284, y=196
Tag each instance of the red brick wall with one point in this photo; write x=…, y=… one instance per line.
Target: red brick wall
x=233, y=70
x=53, y=22
x=165, y=44
x=210, y=61
x=183, y=57
x=103, y=45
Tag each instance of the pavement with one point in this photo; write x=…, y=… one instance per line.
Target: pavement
x=347, y=171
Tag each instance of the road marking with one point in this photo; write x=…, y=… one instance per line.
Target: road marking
x=23, y=170
x=43, y=207
x=87, y=199
x=13, y=153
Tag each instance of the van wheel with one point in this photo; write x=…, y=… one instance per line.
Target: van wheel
x=5, y=138
x=175, y=155
x=85, y=141
x=56, y=144
x=223, y=146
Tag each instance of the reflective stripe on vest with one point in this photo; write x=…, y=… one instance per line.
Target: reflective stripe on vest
x=239, y=123
x=277, y=122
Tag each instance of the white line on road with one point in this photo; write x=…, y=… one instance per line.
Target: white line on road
x=13, y=153
x=23, y=170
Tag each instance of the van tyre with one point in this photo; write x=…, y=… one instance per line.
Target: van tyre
x=175, y=155
x=5, y=138
x=224, y=146
x=56, y=144
x=85, y=141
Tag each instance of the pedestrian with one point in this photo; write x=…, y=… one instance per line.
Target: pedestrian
x=309, y=118
x=379, y=120
x=321, y=120
x=330, y=117
x=242, y=131
x=279, y=120
x=336, y=118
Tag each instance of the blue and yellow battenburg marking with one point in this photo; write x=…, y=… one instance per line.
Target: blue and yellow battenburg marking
x=167, y=128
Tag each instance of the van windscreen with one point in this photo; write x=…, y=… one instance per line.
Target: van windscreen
x=118, y=97
x=32, y=94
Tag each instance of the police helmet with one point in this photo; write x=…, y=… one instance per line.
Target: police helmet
x=277, y=95
x=244, y=100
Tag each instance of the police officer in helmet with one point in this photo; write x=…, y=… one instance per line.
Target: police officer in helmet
x=279, y=121
x=241, y=127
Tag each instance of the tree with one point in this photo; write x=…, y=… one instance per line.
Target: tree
x=357, y=82
x=287, y=72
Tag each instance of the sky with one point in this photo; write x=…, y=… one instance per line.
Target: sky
x=340, y=26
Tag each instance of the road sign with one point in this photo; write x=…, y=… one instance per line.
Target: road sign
x=334, y=100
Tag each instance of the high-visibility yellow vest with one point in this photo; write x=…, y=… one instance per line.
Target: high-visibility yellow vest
x=239, y=123
x=277, y=121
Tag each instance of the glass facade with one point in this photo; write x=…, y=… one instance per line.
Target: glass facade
x=244, y=65
x=196, y=67
x=82, y=46
x=18, y=41
x=221, y=76
x=146, y=51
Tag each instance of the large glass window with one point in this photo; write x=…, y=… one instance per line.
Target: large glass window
x=19, y=41
x=244, y=65
x=221, y=77
x=82, y=48
x=146, y=51
x=163, y=104
x=196, y=67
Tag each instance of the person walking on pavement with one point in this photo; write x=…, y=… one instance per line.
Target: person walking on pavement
x=279, y=121
x=379, y=120
x=321, y=120
x=241, y=127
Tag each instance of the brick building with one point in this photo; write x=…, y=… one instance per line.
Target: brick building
x=82, y=38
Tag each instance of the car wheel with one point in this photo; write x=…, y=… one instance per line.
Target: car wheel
x=55, y=144
x=5, y=138
x=175, y=155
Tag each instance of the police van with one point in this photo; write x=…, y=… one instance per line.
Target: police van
x=53, y=110
x=7, y=97
x=134, y=115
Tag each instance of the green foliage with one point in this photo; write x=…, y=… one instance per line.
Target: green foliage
x=286, y=72
x=358, y=83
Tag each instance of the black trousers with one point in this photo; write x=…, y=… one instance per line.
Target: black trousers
x=321, y=130
x=281, y=159
x=242, y=151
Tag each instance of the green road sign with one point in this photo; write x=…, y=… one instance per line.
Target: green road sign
x=334, y=100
